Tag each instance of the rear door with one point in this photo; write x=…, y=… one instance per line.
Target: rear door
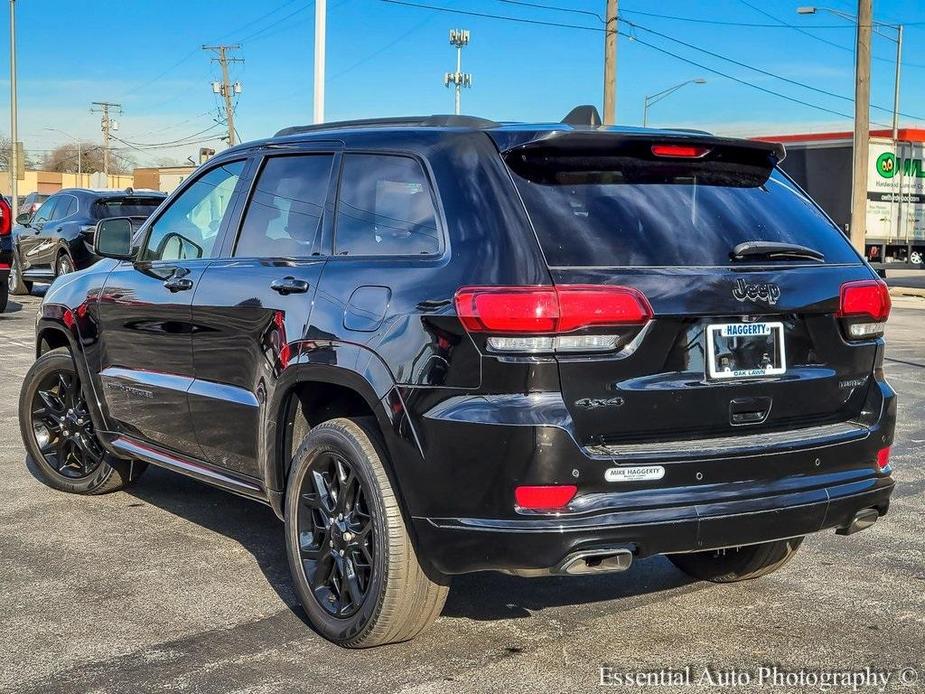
x=735, y=345
x=254, y=302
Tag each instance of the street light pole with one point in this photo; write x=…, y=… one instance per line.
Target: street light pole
x=14, y=131
x=320, y=36
x=655, y=98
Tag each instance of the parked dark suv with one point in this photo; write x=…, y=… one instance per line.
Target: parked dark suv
x=58, y=237
x=441, y=345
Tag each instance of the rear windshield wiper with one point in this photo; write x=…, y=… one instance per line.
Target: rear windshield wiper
x=774, y=250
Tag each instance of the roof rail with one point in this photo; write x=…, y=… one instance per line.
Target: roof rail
x=436, y=121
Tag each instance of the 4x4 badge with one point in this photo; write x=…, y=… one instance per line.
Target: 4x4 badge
x=765, y=292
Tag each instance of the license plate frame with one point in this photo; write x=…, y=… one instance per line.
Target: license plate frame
x=719, y=336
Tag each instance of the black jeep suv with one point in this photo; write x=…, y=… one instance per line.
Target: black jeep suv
x=440, y=345
x=58, y=237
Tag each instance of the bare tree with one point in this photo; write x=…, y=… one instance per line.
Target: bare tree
x=64, y=159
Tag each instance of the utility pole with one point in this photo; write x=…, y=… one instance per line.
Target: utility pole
x=226, y=89
x=610, y=64
x=320, y=35
x=107, y=125
x=14, y=134
x=861, y=126
x=458, y=38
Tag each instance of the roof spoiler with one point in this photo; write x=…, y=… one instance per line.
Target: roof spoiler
x=603, y=141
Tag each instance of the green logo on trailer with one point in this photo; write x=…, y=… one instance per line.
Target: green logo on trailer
x=886, y=165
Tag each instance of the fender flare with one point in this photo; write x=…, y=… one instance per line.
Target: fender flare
x=374, y=384
x=53, y=318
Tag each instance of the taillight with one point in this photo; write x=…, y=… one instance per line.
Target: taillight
x=864, y=307
x=883, y=459
x=680, y=151
x=546, y=319
x=6, y=218
x=548, y=497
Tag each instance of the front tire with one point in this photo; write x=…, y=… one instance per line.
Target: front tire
x=59, y=436
x=15, y=283
x=354, y=566
x=737, y=563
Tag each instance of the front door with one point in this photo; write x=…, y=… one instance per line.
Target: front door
x=254, y=303
x=34, y=244
x=146, y=363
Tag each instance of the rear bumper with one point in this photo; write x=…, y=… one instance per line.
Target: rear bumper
x=713, y=493
x=459, y=545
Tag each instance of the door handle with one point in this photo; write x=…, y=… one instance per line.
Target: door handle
x=289, y=285
x=178, y=284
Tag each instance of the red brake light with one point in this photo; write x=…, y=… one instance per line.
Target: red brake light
x=558, y=309
x=6, y=218
x=544, y=497
x=865, y=298
x=681, y=151
x=883, y=458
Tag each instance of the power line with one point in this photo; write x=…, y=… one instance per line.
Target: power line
x=760, y=71
x=276, y=23
x=811, y=35
x=746, y=83
x=667, y=52
x=169, y=142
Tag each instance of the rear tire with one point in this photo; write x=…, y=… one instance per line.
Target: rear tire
x=4, y=297
x=332, y=540
x=15, y=283
x=737, y=563
x=59, y=436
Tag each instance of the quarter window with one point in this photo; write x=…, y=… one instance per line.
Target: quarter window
x=189, y=227
x=285, y=209
x=67, y=205
x=384, y=207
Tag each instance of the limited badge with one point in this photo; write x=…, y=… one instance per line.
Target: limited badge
x=636, y=473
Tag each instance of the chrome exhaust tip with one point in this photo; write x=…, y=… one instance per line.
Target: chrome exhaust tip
x=595, y=561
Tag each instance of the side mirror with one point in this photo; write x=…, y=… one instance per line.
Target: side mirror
x=113, y=238
x=23, y=218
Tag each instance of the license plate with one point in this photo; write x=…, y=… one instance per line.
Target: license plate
x=745, y=350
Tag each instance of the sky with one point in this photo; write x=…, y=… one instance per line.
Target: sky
x=386, y=58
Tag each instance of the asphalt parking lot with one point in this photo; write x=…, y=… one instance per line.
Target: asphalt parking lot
x=176, y=586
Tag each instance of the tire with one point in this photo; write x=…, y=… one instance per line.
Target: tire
x=399, y=600
x=15, y=283
x=64, y=265
x=75, y=463
x=4, y=297
x=737, y=563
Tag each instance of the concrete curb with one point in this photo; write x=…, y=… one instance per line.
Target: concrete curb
x=907, y=291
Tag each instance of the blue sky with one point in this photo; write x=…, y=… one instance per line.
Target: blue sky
x=389, y=59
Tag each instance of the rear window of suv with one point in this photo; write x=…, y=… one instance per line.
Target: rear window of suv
x=607, y=215
x=125, y=207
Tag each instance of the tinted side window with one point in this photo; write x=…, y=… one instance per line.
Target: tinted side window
x=384, y=207
x=189, y=227
x=285, y=209
x=44, y=213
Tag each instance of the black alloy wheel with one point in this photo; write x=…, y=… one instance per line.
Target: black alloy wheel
x=336, y=539
x=62, y=427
